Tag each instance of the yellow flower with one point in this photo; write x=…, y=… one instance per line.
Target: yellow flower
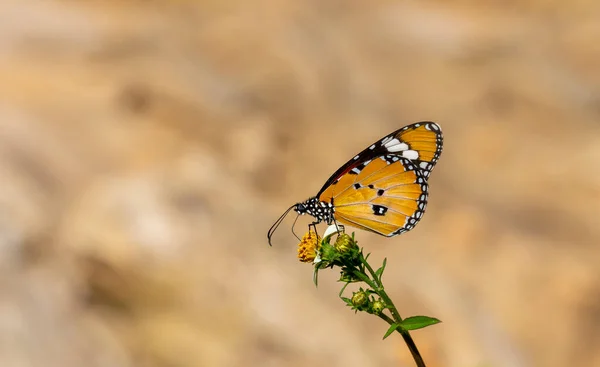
x=308, y=247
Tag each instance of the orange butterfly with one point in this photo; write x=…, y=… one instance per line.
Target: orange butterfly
x=383, y=189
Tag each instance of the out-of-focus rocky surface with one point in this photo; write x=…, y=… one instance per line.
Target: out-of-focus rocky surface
x=147, y=146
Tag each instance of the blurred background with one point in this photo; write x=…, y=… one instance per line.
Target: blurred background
x=147, y=146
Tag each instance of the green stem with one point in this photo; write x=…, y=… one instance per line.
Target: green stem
x=386, y=318
x=377, y=286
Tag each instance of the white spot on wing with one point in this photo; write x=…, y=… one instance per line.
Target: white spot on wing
x=372, y=147
x=410, y=154
x=397, y=148
x=390, y=143
x=424, y=165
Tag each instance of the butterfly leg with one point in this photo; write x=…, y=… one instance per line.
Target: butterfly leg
x=313, y=225
x=340, y=228
x=293, y=225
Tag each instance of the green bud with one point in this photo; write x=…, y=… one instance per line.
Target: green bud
x=378, y=307
x=345, y=243
x=328, y=254
x=360, y=299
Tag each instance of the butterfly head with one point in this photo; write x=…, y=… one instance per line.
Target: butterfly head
x=300, y=208
x=320, y=210
x=305, y=207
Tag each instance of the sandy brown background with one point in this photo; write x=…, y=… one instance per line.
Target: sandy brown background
x=147, y=146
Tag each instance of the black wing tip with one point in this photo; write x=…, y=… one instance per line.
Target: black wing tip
x=428, y=122
x=417, y=124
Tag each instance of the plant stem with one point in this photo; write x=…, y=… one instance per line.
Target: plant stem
x=377, y=286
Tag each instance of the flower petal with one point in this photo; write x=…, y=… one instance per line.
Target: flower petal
x=333, y=229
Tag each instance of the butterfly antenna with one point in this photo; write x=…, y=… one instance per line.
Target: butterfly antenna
x=277, y=223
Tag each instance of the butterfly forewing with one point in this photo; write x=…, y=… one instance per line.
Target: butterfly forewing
x=420, y=142
x=426, y=140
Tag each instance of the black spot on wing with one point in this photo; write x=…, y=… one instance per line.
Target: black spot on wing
x=379, y=209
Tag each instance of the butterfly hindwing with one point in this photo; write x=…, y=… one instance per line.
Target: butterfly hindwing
x=387, y=196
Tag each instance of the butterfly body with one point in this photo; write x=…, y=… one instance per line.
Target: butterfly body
x=322, y=211
x=384, y=188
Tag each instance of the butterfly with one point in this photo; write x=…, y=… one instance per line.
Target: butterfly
x=382, y=189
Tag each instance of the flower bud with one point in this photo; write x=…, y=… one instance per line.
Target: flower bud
x=378, y=307
x=360, y=299
x=344, y=243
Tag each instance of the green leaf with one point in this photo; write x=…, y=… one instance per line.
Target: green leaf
x=379, y=271
x=418, y=322
x=392, y=328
